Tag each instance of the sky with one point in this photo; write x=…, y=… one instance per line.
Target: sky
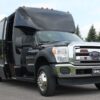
x=85, y=12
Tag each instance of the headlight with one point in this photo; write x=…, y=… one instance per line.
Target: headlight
x=60, y=53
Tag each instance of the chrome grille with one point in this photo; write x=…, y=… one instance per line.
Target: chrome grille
x=90, y=56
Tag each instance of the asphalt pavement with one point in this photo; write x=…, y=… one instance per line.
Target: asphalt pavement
x=15, y=90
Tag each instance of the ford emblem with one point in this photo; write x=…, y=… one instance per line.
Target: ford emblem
x=94, y=55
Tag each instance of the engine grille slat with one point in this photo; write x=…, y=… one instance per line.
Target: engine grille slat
x=90, y=47
x=82, y=54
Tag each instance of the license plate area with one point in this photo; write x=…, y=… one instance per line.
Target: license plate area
x=83, y=71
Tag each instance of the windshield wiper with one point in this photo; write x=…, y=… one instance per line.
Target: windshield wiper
x=43, y=42
x=54, y=41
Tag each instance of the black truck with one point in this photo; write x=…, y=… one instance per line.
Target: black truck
x=39, y=45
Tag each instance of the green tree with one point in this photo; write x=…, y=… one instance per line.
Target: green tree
x=77, y=31
x=98, y=37
x=91, y=34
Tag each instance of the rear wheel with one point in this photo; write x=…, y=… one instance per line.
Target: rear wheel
x=46, y=81
x=97, y=85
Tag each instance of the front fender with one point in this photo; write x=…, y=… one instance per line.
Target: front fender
x=47, y=54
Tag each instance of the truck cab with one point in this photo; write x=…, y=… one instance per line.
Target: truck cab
x=40, y=45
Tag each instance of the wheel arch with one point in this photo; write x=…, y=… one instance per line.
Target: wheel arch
x=42, y=60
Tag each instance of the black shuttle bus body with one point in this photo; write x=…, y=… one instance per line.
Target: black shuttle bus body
x=40, y=45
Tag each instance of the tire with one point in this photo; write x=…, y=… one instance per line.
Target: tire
x=46, y=81
x=97, y=86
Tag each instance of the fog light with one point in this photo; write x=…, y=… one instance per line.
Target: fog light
x=64, y=70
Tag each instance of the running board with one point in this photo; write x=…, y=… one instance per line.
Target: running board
x=27, y=79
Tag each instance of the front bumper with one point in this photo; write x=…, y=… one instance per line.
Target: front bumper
x=74, y=78
x=78, y=80
x=76, y=71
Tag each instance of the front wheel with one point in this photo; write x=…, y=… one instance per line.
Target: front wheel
x=97, y=85
x=46, y=81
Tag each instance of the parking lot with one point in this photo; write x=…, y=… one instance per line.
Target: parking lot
x=15, y=90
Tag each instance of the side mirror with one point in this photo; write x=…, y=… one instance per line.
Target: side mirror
x=18, y=42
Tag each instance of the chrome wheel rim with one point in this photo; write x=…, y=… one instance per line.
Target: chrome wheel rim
x=42, y=81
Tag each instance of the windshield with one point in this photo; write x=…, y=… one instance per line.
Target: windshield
x=55, y=36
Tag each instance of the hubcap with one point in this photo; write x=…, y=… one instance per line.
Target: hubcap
x=42, y=81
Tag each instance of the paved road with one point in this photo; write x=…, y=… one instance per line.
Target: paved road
x=26, y=91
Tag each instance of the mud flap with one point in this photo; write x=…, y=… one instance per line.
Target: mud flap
x=2, y=71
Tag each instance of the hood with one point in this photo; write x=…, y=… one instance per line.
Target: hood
x=85, y=44
x=73, y=44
